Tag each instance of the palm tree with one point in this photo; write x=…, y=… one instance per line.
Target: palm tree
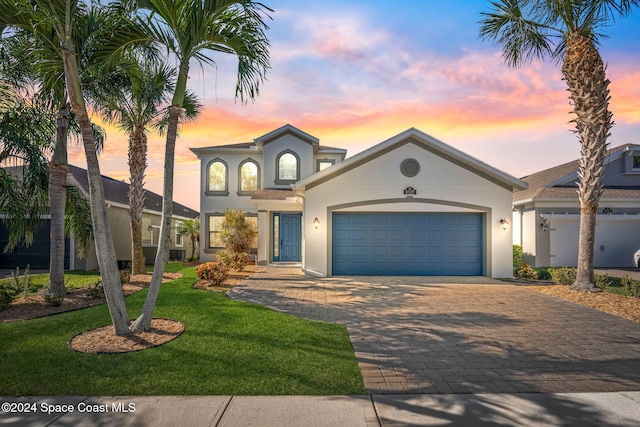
x=191, y=228
x=25, y=141
x=567, y=30
x=57, y=23
x=25, y=136
x=140, y=106
x=33, y=61
x=193, y=29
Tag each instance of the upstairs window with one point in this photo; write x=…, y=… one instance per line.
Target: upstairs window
x=217, y=178
x=287, y=168
x=323, y=164
x=249, y=178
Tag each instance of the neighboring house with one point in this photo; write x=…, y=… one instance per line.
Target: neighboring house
x=546, y=216
x=117, y=198
x=410, y=205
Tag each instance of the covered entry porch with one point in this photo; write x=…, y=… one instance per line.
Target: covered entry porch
x=280, y=231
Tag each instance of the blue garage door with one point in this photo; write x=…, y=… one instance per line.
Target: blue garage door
x=407, y=244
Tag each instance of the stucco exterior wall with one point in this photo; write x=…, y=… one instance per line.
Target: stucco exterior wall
x=216, y=205
x=120, y=225
x=378, y=185
x=272, y=149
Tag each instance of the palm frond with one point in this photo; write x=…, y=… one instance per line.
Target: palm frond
x=520, y=38
x=193, y=29
x=77, y=218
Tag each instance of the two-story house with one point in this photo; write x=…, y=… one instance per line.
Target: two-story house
x=410, y=205
x=256, y=177
x=546, y=216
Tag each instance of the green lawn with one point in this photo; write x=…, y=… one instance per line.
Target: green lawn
x=228, y=347
x=72, y=279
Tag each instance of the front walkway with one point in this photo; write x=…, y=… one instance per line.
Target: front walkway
x=460, y=335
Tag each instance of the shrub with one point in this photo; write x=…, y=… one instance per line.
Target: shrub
x=543, y=273
x=21, y=284
x=213, y=272
x=517, y=257
x=631, y=287
x=54, y=300
x=563, y=276
x=602, y=281
x=527, y=272
x=95, y=290
x=125, y=276
x=233, y=260
x=237, y=234
x=7, y=295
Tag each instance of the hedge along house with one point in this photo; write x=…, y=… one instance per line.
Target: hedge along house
x=546, y=216
x=410, y=205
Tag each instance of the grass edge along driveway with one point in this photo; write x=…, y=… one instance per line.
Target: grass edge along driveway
x=227, y=348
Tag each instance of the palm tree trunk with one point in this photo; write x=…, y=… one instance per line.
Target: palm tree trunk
x=105, y=250
x=143, y=322
x=584, y=72
x=58, y=172
x=137, y=168
x=193, y=248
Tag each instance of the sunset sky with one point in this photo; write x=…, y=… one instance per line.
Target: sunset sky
x=355, y=73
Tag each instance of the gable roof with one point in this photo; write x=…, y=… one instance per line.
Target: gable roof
x=284, y=130
x=259, y=142
x=118, y=192
x=559, y=181
x=425, y=141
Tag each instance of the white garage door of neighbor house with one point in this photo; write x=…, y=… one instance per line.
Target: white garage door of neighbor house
x=616, y=241
x=564, y=242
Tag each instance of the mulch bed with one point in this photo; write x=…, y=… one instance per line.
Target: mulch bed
x=102, y=340
x=234, y=279
x=35, y=306
x=619, y=305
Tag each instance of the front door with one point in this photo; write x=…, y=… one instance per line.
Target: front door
x=287, y=237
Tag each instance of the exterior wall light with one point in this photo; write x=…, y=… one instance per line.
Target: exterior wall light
x=505, y=223
x=316, y=223
x=545, y=223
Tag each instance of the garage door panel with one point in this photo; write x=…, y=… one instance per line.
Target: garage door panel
x=379, y=251
x=409, y=244
x=35, y=256
x=397, y=235
x=380, y=235
x=398, y=251
x=417, y=251
x=417, y=268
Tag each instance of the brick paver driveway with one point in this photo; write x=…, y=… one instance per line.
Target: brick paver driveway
x=460, y=335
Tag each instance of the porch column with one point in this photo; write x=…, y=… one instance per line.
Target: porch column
x=264, y=237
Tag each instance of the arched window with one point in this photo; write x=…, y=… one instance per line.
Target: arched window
x=217, y=178
x=287, y=167
x=248, y=177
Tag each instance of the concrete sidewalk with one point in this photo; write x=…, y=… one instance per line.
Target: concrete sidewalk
x=526, y=409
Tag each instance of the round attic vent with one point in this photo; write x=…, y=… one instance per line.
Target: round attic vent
x=410, y=167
